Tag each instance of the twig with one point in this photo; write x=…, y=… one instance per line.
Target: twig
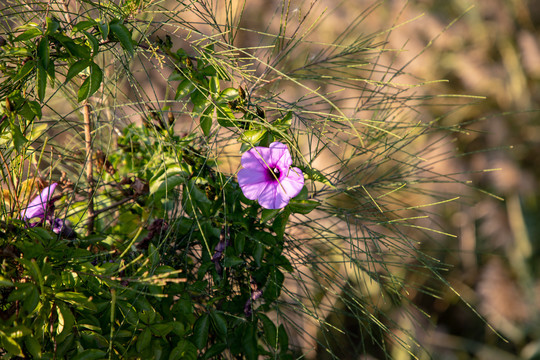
x=89, y=167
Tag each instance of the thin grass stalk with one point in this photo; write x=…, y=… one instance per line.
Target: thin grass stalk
x=89, y=166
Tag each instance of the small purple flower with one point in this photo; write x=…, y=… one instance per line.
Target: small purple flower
x=41, y=205
x=63, y=228
x=267, y=176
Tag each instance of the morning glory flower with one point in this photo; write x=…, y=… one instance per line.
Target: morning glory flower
x=40, y=206
x=267, y=176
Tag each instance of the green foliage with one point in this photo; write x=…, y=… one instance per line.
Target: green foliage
x=153, y=284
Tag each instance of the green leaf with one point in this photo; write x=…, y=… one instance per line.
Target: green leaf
x=206, y=120
x=83, y=25
x=165, y=184
x=75, y=49
x=252, y=137
x=302, y=206
x=258, y=253
x=76, y=68
x=185, y=88
x=93, y=41
x=231, y=261
x=220, y=324
x=161, y=329
x=5, y=282
x=123, y=35
x=209, y=70
x=143, y=340
x=90, y=354
x=29, y=34
x=283, y=339
x=270, y=330
x=52, y=26
x=18, y=331
x=250, y=342
x=214, y=351
x=280, y=224
x=104, y=29
x=284, y=123
x=92, y=82
x=51, y=73
x=25, y=70
x=66, y=320
x=30, y=110
x=239, y=243
x=228, y=94
x=76, y=299
x=153, y=255
x=225, y=116
x=200, y=102
x=22, y=291
x=19, y=140
x=176, y=76
x=273, y=285
x=129, y=312
x=41, y=82
x=31, y=301
x=316, y=175
x=214, y=85
x=200, y=331
x=10, y=345
x=33, y=346
x=185, y=350
x=193, y=196
x=268, y=214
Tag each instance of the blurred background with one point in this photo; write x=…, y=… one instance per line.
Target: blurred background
x=489, y=49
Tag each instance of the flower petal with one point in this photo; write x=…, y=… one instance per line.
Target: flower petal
x=37, y=206
x=272, y=198
x=253, y=181
x=282, y=157
x=293, y=183
x=253, y=158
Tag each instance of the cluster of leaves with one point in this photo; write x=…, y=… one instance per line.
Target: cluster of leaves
x=188, y=268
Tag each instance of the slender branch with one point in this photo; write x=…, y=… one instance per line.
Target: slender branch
x=89, y=167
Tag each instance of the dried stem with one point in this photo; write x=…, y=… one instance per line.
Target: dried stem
x=89, y=167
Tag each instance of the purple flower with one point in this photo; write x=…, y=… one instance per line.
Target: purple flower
x=41, y=205
x=63, y=228
x=267, y=176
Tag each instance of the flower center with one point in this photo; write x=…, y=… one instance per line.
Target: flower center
x=274, y=173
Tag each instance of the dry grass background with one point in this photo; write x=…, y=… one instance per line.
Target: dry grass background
x=492, y=51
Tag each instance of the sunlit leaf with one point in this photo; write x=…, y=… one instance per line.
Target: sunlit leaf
x=25, y=70
x=206, y=120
